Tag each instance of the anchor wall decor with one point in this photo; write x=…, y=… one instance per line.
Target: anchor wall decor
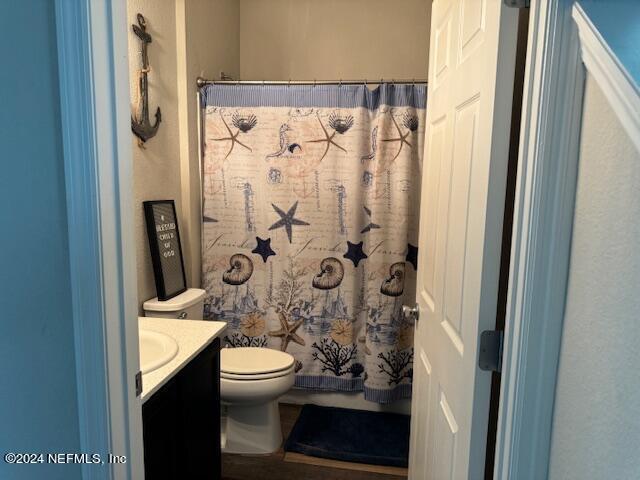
x=141, y=126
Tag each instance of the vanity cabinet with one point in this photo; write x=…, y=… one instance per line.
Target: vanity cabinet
x=181, y=422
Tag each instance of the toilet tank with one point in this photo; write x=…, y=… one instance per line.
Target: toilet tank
x=189, y=304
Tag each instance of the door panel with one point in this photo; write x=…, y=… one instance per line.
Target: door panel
x=472, y=26
x=446, y=430
x=442, y=50
x=422, y=385
x=472, y=64
x=436, y=140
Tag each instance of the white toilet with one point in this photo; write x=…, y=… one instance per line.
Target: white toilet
x=251, y=380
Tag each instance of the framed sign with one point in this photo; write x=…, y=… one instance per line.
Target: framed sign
x=166, y=250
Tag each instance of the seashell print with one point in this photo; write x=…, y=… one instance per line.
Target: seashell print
x=252, y=325
x=410, y=121
x=244, y=123
x=331, y=274
x=394, y=285
x=241, y=268
x=342, y=331
x=339, y=123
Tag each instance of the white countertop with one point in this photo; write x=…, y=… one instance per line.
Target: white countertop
x=192, y=337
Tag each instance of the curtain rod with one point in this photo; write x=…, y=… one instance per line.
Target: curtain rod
x=201, y=82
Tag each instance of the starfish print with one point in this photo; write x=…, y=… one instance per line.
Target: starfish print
x=355, y=253
x=327, y=138
x=263, y=248
x=233, y=137
x=402, y=138
x=287, y=332
x=371, y=225
x=287, y=220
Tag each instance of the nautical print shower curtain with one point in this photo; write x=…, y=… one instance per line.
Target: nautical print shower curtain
x=310, y=227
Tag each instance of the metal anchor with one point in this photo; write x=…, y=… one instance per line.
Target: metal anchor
x=142, y=128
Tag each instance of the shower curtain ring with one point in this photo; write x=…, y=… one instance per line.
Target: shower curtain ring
x=289, y=84
x=314, y=82
x=340, y=83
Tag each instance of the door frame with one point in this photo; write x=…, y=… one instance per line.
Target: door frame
x=94, y=91
x=94, y=103
x=541, y=243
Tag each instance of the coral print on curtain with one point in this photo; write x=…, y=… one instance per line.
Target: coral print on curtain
x=310, y=227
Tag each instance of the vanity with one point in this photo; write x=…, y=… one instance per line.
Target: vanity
x=180, y=362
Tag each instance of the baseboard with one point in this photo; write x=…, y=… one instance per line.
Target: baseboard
x=361, y=467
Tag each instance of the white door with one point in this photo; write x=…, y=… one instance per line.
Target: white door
x=471, y=69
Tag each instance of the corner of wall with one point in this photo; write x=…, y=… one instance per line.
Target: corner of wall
x=207, y=42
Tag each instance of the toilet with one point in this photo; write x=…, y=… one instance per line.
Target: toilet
x=251, y=381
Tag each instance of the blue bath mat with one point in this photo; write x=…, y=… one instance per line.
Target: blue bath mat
x=359, y=436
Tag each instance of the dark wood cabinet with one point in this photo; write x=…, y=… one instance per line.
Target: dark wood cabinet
x=181, y=422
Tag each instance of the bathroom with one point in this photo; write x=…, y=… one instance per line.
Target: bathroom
x=286, y=41
x=319, y=239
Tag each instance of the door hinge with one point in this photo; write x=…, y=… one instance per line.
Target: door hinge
x=490, y=356
x=138, y=384
x=517, y=3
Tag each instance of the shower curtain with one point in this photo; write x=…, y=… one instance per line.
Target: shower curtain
x=310, y=227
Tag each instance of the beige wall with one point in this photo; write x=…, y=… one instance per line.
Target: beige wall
x=208, y=43
x=333, y=39
x=596, y=425
x=156, y=168
x=190, y=38
x=263, y=39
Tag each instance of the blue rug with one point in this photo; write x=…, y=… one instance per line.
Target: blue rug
x=349, y=435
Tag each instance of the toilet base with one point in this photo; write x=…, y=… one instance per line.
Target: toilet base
x=252, y=429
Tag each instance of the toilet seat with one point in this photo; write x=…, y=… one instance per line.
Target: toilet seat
x=258, y=376
x=254, y=363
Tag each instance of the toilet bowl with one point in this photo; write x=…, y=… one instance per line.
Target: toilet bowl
x=251, y=380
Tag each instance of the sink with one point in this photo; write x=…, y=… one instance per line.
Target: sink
x=156, y=350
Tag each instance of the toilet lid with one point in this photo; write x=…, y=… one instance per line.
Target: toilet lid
x=253, y=360
x=258, y=376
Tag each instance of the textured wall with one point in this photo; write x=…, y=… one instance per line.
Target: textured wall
x=333, y=39
x=156, y=168
x=248, y=38
x=208, y=33
x=38, y=407
x=190, y=38
x=596, y=426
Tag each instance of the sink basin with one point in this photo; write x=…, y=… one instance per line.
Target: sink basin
x=156, y=350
